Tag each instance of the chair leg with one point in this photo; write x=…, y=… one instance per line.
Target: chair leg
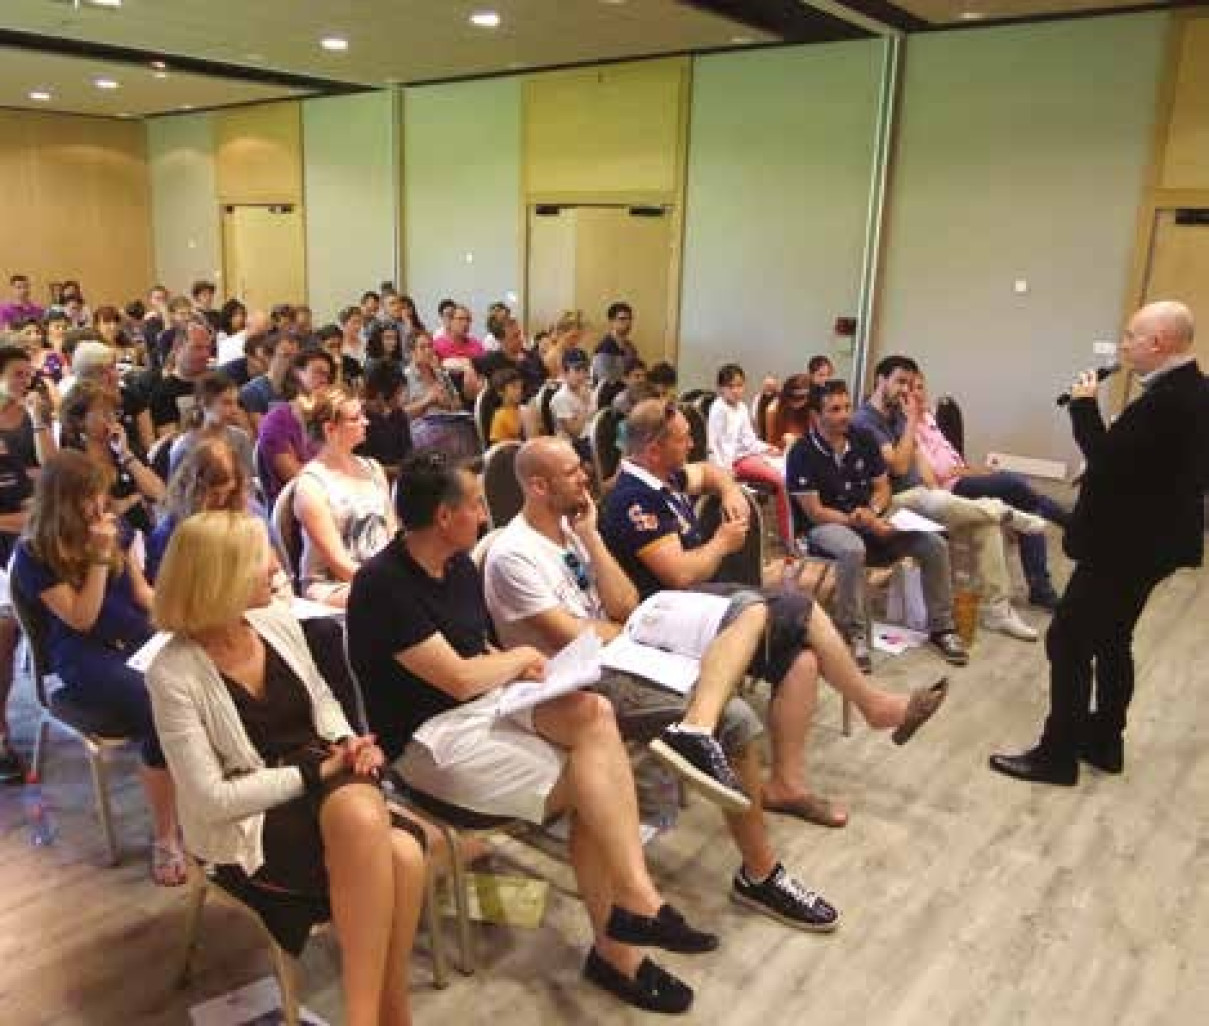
x=436, y=934
x=286, y=968
x=461, y=901
x=198, y=888
x=40, y=740
x=847, y=718
x=100, y=784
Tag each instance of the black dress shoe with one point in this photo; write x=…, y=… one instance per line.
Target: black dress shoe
x=667, y=929
x=652, y=988
x=1107, y=755
x=1038, y=766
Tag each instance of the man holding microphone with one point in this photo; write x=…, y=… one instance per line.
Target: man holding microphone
x=1139, y=517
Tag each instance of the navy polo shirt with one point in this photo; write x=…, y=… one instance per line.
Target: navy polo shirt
x=886, y=430
x=641, y=510
x=843, y=482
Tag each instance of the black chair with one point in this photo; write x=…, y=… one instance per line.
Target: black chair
x=602, y=435
x=692, y=395
x=697, y=426
x=159, y=457
x=746, y=566
x=545, y=415
x=98, y=737
x=951, y=423
x=704, y=401
x=606, y=392
x=289, y=530
x=485, y=405
x=501, y=489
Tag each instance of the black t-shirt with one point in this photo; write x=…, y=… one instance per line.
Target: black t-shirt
x=842, y=483
x=166, y=404
x=532, y=371
x=387, y=437
x=395, y=605
x=17, y=455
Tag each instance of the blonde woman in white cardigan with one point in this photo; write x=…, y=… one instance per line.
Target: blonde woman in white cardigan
x=270, y=777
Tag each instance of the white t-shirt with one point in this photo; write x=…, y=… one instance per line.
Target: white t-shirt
x=567, y=404
x=230, y=347
x=526, y=574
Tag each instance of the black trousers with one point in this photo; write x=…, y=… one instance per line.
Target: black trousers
x=1093, y=624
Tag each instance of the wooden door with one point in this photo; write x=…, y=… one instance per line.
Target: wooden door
x=263, y=254
x=551, y=273
x=625, y=253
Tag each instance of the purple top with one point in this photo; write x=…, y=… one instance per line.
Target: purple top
x=280, y=432
x=10, y=313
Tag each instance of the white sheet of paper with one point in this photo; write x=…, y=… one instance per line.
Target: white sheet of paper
x=683, y=622
x=575, y=667
x=306, y=609
x=906, y=520
x=672, y=670
x=142, y=658
x=895, y=640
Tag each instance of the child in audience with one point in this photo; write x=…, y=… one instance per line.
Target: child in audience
x=662, y=377
x=820, y=370
x=571, y=405
x=506, y=421
x=733, y=445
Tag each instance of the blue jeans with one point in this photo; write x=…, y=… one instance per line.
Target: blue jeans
x=1016, y=491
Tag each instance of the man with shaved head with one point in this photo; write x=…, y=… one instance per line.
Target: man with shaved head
x=1139, y=517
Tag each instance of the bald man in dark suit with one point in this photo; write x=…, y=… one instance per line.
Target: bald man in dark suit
x=1139, y=517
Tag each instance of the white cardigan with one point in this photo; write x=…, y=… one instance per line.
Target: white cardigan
x=223, y=787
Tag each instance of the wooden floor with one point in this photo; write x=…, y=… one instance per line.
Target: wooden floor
x=968, y=899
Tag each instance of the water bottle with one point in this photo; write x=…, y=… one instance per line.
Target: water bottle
x=665, y=797
x=37, y=813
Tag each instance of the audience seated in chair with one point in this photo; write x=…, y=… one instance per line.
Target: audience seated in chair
x=284, y=443
x=508, y=387
x=216, y=414
x=419, y=642
x=513, y=355
x=342, y=501
x=548, y=577
x=892, y=415
x=616, y=349
x=75, y=565
x=172, y=396
x=272, y=780
x=1008, y=490
x=651, y=527
x=387, y=430
x=97, y=362
x=571, y=405
x=840, y=484
x=276, y=385
x=791, y=416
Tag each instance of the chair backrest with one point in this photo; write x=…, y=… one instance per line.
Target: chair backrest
x=692, y=395
x=602, y=436
x=696, y=425
x=485, y=405
x=606, y=392
x=159, y=457
x=704, y=401
x=545, y=415
x=33, y=620
x=478, y=555
x=287, y=527
x=747, y=565
x=501, y=489
x=951, y=423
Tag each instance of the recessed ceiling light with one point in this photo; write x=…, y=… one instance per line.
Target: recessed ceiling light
x=257, y=57
x=159, y=65
x=125, y=114
x=972, y=15
x=185, y=106
x=485, y=19
x=159, y=74
x=741, y=40
x=337, y=44
x=39, y=94
x=105, y=83
x=613, y=3
x=106, y=3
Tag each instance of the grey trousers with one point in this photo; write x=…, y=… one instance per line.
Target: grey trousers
x=853, y=551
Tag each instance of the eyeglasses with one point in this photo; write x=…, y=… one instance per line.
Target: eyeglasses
x=580, y=572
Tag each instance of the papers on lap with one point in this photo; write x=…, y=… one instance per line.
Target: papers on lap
x=665, y=637
x=575, y=667
x=906, y=520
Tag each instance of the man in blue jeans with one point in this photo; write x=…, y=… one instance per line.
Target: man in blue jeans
x=952, y=472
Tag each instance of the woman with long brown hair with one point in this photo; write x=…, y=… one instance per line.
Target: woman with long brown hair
x=72, y=562
x=792, y=418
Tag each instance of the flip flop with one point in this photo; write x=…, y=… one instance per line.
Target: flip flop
x=922, y=705
x=813, y=808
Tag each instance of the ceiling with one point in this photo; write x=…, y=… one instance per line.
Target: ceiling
x=224, y=52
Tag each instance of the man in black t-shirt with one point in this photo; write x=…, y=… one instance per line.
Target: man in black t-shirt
x=172, y=397
x=419, y=640
x=513, y=355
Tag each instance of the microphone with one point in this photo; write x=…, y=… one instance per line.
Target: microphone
x=1101, y=374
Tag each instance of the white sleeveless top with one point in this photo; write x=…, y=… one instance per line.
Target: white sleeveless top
x=361, y=512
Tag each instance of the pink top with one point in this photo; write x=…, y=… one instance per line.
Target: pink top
x=469, y=348
x=941, y=456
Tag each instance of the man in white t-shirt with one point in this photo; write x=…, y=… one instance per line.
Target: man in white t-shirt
x=571, y=405
x=548, y=576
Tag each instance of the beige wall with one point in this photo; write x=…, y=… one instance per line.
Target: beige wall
x=778, y=183
x=462, y=194
x=258, y=153
x=1022, y=154
x=74, y=203
x=184, y=200
x=350, y=159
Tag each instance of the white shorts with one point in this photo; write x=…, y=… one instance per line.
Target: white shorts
x=476, y=760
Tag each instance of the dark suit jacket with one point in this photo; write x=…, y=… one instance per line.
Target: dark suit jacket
x=1142, y=503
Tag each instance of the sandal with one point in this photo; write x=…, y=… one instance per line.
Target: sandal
x=169, y=867
x=920, y=708
x=811, y=808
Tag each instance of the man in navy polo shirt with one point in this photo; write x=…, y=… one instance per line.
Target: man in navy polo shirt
x=841, y=492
